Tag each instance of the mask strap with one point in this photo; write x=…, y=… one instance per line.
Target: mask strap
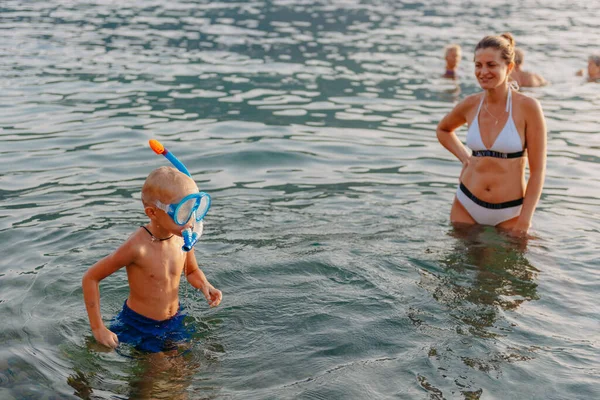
x=162, y=206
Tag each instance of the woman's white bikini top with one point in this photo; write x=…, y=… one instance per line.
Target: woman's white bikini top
x=508, y=142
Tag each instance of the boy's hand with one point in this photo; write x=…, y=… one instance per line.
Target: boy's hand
x=213, y=296
x=105, y=337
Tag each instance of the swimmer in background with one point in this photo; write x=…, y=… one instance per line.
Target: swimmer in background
x=452, y=56
x=524, y=78
x=593, y=69
x=507, y=131
x=151, y=317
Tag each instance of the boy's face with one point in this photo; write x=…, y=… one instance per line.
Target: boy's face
x=452, y=57
x=174, y=196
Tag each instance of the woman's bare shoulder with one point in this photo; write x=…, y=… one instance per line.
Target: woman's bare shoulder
x=470, y=101
x=526, y=102
x=474, y=98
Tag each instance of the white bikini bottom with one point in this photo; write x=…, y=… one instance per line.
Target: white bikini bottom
x=485, y=213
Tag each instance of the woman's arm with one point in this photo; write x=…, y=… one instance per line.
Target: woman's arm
x=452, y=121
x=535, y=136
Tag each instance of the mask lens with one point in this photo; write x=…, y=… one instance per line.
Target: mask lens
x=203, y=207
x=185, y=210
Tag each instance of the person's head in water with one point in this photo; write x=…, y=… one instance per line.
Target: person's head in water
x=494, y=60
x=594, y=67
x=519, y=58
x=452, y=56
x=525, y=78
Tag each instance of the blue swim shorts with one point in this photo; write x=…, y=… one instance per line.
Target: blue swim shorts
x=148, y=334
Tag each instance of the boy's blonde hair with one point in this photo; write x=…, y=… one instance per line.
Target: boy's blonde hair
x=164, y=184
x=455, y=47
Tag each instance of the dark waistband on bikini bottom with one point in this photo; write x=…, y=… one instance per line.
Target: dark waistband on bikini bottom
x=497, y=154
x=492, y=206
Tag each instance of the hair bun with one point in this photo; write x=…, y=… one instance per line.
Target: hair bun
x=508, y=36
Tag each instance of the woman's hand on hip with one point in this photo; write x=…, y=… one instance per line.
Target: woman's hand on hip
x=465, y=164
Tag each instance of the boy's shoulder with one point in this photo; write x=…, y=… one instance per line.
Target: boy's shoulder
x=142, y=244
x=133, y=247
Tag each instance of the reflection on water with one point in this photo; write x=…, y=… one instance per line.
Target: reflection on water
x=496, y=265
x=141, y=375
x=485, y=274
x=149, y=376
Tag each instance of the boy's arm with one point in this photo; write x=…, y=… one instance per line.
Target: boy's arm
x=90, y=282
x=197, y=279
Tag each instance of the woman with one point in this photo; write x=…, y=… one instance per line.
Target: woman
x=506, y=129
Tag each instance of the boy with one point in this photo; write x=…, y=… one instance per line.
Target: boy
x=154, y=260
x=452, y=56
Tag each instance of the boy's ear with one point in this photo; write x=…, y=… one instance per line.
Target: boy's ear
x=150, y=212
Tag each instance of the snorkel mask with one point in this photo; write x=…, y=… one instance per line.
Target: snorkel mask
x=194, y=205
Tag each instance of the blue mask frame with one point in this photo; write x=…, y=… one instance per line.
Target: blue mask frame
x=180, y=215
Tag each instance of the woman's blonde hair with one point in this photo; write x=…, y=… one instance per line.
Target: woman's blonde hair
x=505, y=43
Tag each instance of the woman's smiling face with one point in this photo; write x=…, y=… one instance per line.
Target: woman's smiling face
x=490, y=69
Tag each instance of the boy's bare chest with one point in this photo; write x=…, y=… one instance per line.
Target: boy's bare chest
x=162, y=265
x=164, y=269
